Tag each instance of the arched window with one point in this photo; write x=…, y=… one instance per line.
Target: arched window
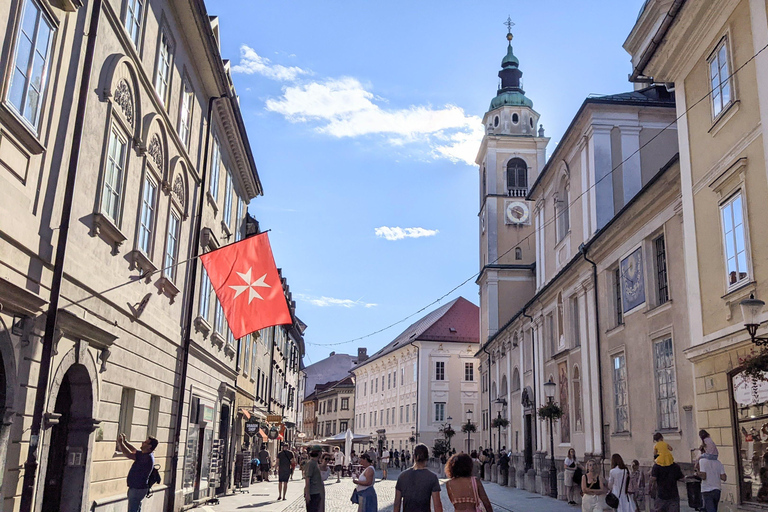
x=577, y=414
x=562, y=207
x=517, y=177
x=504, y=386
x=518, y=253
x=494, y=395
x=515, y=380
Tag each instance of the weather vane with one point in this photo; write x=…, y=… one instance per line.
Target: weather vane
x=509, y=23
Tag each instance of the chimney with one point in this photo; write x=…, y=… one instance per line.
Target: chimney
x=332, y=354
x=362, y=354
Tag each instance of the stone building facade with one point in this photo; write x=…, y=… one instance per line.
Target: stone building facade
x=712, y=54
x=408, y=390
x=335, y=407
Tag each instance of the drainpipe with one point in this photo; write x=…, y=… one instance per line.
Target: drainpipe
x=490, y=403
x=583, y=251
x=31, y=464
x=188, y=314
x=533, y=356
x=418, y=369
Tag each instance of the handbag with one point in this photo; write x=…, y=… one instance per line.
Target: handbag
x=478, y=508
x=611, y=499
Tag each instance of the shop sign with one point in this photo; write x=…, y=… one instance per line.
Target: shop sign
x=747, y=392
x=205, y=414
x=252, y=427
x=274, y=418
x=273, y=433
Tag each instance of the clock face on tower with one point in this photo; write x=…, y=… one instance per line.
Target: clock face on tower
x=517, y=212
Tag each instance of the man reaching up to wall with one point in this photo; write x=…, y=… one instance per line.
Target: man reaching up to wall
x=138, y=475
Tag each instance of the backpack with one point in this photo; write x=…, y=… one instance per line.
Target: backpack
x=577, y=474
x=154, y=478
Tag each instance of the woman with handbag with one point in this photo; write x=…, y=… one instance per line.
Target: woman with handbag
x=570, y=463
x=618, y=482
x=465, y=491
x=592, y=488
x=364, y=494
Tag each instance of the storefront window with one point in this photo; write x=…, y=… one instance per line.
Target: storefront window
x=751, y=410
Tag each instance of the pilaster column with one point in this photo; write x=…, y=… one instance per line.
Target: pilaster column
x=630, y=168
x=601, y=195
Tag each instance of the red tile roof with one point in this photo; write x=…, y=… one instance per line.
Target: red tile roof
x=461, y=323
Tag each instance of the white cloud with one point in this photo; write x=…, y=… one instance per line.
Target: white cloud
x=253, y=63
x=343, y=107
x=324, y=302
x=400, y=233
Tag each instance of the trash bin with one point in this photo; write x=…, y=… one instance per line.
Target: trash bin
x=693, y=486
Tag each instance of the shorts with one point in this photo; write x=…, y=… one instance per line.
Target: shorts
x=337, y=468
x=383, y=464
x=284, y=474
x=314, y=503
x=672, y=505
x=263, y=467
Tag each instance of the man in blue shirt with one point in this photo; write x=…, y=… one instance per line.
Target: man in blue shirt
x=138, y=475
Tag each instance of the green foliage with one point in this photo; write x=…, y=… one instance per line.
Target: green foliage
x=469, y=427
x=440, y=448
x=448, y=432
x=551, y=410
x=499, y=422
x=755, y=365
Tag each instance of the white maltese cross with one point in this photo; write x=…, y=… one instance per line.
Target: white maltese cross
x=250, y=286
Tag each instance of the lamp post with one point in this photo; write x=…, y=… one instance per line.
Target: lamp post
x=549, y=392
x=503, y=404
x=469, y=432
x=446, y=428
x=751, y=309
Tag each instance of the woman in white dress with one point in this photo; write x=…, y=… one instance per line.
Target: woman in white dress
x=570, y=463
x=618, y=481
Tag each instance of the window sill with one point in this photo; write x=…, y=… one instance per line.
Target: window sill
x=104, y=227
x=225, y=230
x=614, y=330
x=621, y=434
x=166, y=286
x=650, y=313
x=736, y=295
x=722, y=118
x=20, y=130
x=140, y=261
x=212, y=202
x=208, y=240
x=229, y=350
x=201, y=325
x=217, y=339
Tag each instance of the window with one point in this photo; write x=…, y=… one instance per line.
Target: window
x=228, y=200
x=335, y=404
x=401, y=413
x=393, y=415
x=439, y=411
x=666, y=392
x=407, y=414
x=154, y=415
x=415, y=372
x=517, y=177
x=377, y=385
x=218, y=318
x=578, y=415
x=382, y=384
x=134, y=12
x=662, y=286
x=469, y=372
x=439, y=370
x=620, y=402
x=172, y=246
x=551, y=334
x=719, y=79
x=343, y=425
x=125, y=420
x=575, y=327
x=389, y=381
x=365, y=388
x=246, y=355
x=238, y=221
x=617, y=296
x=147, y=220
x=562, y=214
x=394, y=378
x=518, y=253
x=387, y=417
x=112, y=193
x=414, y=412
x=345, y=404
x=185, y=113
x=402, y=375
x=205, y=295
x=258, y=377
x=370, y=418
x=163, y=71
x=515, y=380
x=215, y=165
x=30, y=69
x=734, y=240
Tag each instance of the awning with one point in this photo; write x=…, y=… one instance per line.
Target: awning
x=264, y=435
x=245, y=413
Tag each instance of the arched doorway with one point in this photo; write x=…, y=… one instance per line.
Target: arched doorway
x=7, y=390
x=65, y=477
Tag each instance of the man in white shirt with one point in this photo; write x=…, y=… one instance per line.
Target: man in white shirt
x=384, y=462
x=338, y=463
x=712, y=473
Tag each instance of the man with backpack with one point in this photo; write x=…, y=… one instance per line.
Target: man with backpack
x=139, y=475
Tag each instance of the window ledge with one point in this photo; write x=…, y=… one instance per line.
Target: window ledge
x=722, y=118
x=225, y=229
x=168, y=287
x=229, y=350
x=140, y=261
x=68, y=5
x=103, y=226
x=20, y=130
x=621, y=434
x=650, y=313
x=208, y=239
x=201, y=325
x=217, y=339
x=736, y=295
x=615, y=330
x=212, y=202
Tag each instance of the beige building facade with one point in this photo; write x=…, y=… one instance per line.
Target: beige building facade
x=711, y=54
x=335, y=407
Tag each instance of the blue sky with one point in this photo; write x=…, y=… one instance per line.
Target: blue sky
x=364, y=118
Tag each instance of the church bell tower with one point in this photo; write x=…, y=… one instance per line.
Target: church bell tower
x=512, y=153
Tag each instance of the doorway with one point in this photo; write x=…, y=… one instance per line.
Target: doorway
x=65, y=473
x=223, y=449
x=528, y=441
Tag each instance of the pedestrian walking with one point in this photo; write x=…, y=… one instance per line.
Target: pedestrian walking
x=264, y=461
x=667, y=496
x=570, y=463
x=465, y=491
x=402, y=458
x=418, y=485
x=338, y=463
x=618, y=482
x=712, y=474
x=476, y=466
x=503, y=465
x=637, y=485
x=285, y=461
x=138, y=475
x=365, y=494
x=384, y=462
x=592, y=489
x=314, y=490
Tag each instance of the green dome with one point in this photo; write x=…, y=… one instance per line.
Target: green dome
x=509, y=59
x=510, y=98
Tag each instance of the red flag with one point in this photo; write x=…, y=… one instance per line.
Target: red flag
x=245, y=279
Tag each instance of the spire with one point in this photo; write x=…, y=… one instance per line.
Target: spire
x=510, y=92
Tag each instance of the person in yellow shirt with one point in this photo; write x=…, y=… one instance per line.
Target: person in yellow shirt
x=662, y=452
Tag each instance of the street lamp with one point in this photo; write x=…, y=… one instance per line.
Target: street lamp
x=503, y=403
x=549, y=392
x=469, y=431
x=751, y=309
x=447, y=428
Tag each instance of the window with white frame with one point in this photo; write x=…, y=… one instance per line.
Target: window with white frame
x=163, y=71
x=147, y=219
x=666, y=389
x=112, y=191
x=734, y=240
x=205, y=295
x=125, y=418
x=469, y=372
x=31, y=64
x=172, y=246
x=345, y=404
x=620, y=398
x=562, y=213
x=185, y=112
x=439, y=370
x=134, y=13
x=215, y=166
x=254, y=351
x=154, y=415
x=719, y=79
x=246, y=355
x=415, y=372
x=228, y=200
x=662, y=283
x=218, y=318
x=439, y=411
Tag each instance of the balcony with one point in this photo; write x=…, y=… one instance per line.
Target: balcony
x=517, y=191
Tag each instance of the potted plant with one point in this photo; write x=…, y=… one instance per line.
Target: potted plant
x=499, y=422
x=550, y=411
x=448, y=432
x=755, y=365
x=469, y=427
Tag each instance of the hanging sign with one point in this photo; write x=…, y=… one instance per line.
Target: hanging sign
x=252, y=427
x=274, y=418
x=273, y=433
